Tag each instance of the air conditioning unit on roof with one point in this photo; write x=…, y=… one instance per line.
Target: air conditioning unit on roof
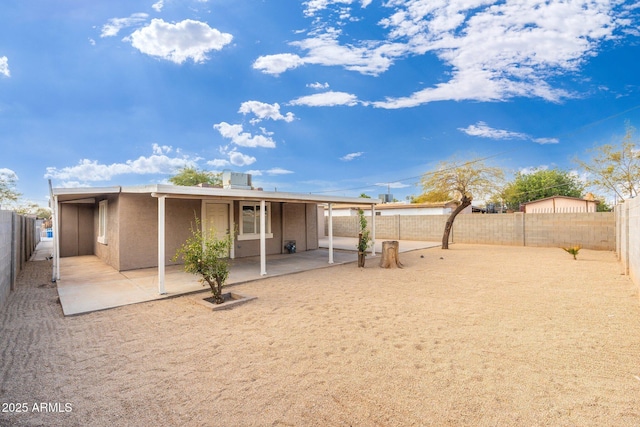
x=236, y=180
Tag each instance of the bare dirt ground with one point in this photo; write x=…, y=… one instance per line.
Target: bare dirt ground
x=476, y=335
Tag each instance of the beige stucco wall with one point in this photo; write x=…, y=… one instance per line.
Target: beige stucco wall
x=138, y=228
x=560, y=205
x=289, y=221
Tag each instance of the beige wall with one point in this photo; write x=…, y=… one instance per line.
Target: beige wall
x=138, y=228
x=289, y=221
x=560, y=205
x=628, y=232
x=591, y=230
x=132, y=229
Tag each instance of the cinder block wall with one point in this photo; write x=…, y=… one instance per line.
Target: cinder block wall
x=18, y=241
x=628, y=242
x=590, y=230
x=6, y=237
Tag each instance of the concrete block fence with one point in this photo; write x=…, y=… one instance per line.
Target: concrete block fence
x=18, y=241
x=591, y=230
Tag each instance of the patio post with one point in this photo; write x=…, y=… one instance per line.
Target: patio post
x=263, y=240
x=373, y=230
x=330, y=233
x=161, y=240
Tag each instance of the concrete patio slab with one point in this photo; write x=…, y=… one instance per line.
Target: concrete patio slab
x=88, y=284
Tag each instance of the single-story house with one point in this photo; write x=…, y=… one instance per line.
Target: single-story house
x=143, y=226
x=560, y=204
x=387, y=209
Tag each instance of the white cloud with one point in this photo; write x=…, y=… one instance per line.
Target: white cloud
x=314, y=6
x=4, y=66
x=7, y=175
x=326, y=99
x=90, y=170
x=546, y=140
x=157, y=6
x=351, y=156
x=277, y=64
x=278, y=171
x=482, y=130
x=264, y=111
x=114, y=25
x=318, y=85
x=236, y=158
x=493, y=50
x=161, y=149
x=366, y=57
x=179, y=42
x=219, y=163
x=499, y=50
x=244, y=139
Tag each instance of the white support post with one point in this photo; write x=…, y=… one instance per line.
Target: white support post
x=330, y=233
x=232, y=228
x=373, y=230
x=56, y=238
x=263, y=239
x=161, y=243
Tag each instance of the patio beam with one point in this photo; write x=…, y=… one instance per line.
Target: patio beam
x=161, y=242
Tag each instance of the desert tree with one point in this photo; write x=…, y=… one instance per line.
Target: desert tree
x=615, y=167
x=8, y=192
x=460, y=181
x=190, y=176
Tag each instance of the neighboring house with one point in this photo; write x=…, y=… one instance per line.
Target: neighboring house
x=143, y=226
x=560, y=204
x=386, y=209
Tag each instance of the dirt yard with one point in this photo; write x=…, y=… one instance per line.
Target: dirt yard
x=476, y=335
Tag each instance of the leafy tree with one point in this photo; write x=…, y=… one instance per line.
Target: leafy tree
x=207, y=256
x=8, y=193
x=461, y=182
x=189, y=176
x=433, y=196
x=364, y=196
x=539, y=185
x=616, y=167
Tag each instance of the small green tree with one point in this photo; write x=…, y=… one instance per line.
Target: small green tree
x=189, y=176
x=540, y=184
x=364, y=238
x=207, y=256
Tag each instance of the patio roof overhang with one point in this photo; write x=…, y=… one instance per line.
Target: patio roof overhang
x=163, y=191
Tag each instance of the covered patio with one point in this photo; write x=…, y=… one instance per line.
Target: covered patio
x=88, y=284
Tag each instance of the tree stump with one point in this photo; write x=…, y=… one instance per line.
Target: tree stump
x=389, y=257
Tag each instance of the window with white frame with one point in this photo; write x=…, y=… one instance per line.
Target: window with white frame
x=249, y=227
x=102, y=222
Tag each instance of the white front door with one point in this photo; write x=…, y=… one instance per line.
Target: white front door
x=216, y=218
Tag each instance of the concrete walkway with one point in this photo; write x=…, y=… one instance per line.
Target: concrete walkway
x=87, y=284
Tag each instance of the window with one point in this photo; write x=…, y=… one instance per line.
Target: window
x=102, y=222
x=250, y=221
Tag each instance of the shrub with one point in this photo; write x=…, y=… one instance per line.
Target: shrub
x=208, y=256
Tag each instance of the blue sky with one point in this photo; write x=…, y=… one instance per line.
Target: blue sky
x=341, y=97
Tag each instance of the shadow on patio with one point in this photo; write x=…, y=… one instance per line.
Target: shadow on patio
x=88, y=284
